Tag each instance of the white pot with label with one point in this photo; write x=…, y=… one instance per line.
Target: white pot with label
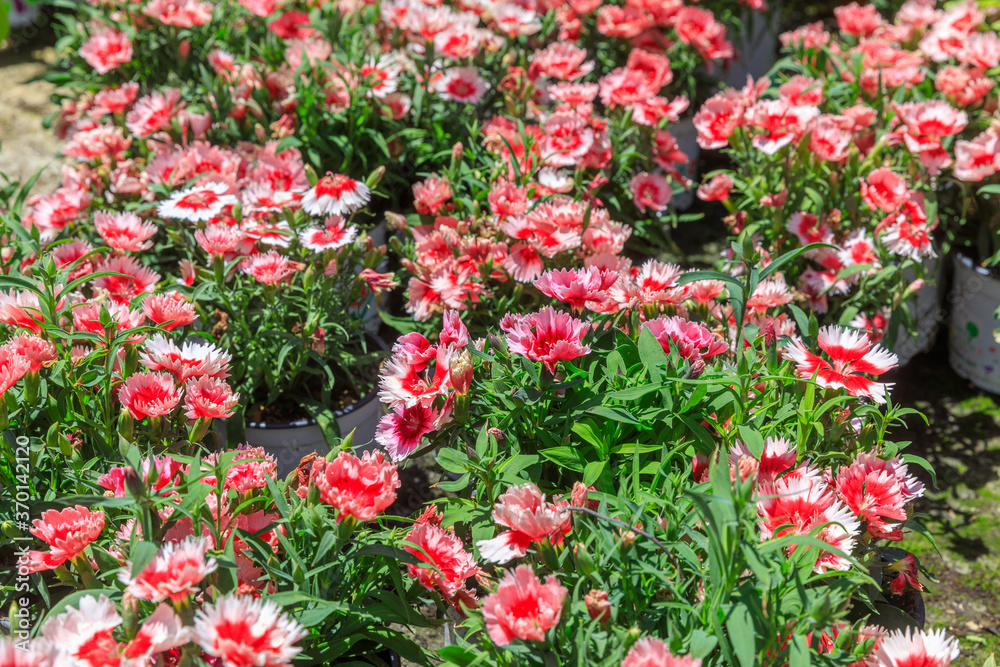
x=973, y=349
x=756, y=47
x=288, y=442
x=926, y=310
x=687, y=141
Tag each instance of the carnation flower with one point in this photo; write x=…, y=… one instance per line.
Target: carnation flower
x=878, y=491
x=652, y=652
x=461, y=84
x=193, y=360
x=163, y=471
x=692, y=340
x=198, y=203
x=523, y=607
x=67, y=532
x=909, y=647
x=210, y=398
x=161, y=631
x=154, y=112
x=449, y=565
x=137, y=279
x=83, y=636
x=173, y=574
x=357, y=488
x=36, y=350
x=149, y=394
x=124, y=231
x=802, y=503
x=852, y=355
x=884, y=190
x=269, y=268
x=716, y=189
x=107, y=50
x=334, y=234
x=13, y=366
x=87, y=317
x=650, y=191
x=335, y=194
x=547, y=336
x=179, y=13
x=401, y=431
x=581, y=288
x=243, y=632
x=531, y=520
x=249, y=469
x=20, y=308
x=169, y=310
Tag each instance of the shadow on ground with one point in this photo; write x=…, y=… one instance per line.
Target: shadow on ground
x=962, y=443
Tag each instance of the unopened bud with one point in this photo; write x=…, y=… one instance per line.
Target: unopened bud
x=396, y=221
x=598, y=605
x=461, y=372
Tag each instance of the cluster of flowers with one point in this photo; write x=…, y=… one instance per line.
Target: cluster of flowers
x=172, y=606
x=144, y=170
x=450, y=399
x=861, y=175
x=388, y=77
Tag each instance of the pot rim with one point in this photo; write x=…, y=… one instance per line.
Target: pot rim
x=306, y=423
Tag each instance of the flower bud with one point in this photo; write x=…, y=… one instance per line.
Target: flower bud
x=184, y=49
x=461, y=372
x=598, y=605
x=396, y=221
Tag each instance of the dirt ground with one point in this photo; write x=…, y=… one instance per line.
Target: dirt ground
x=25, y=146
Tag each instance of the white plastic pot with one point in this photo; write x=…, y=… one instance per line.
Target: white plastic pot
x=973, y=350
x=756, y=48
x=687, y=141
x=20, y=14
x=926, y=311
x=290, y=441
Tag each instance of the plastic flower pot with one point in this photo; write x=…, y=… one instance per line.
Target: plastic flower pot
x=973, y=350
x=20, y=14
x=290, y=441
x=926, y=310
x=687, y=141
x=756, y=49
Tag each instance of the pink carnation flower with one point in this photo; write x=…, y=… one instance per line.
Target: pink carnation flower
x=523, y=607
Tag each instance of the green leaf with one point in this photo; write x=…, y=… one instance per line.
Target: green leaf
x=752, y=438
x=615, y=414
x=565, y=457
x=741, y=633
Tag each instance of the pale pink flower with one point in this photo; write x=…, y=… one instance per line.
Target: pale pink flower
x=448, y=564
x=195, y=359
x=154, y=112
x=523, y=607
x=67, y=532
x=170, y=310
x=124, y=231
x=107, y=50
x=209, y=398
x=650, y=192
x=149, y=394
x=461, y=84
x=884, y=190
x=581, y=288
x=334, y=234
x=524, y=510
x=547, y=336
x=173, y=574
x=13, y=367
x=269, y=268
x=652, y=652
x=357, y=488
